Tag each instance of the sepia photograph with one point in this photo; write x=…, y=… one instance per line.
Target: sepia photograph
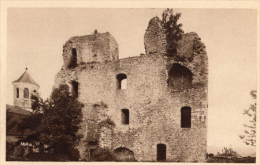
x=130, y=84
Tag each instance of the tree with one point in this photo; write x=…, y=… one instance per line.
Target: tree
x=62, y=114
x=56, y=122
x=250, y=133
x=33, y=121
x=172, y=29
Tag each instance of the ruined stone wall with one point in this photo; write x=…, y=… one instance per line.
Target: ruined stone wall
x=99, y=47
x=155, y=37
x=154, y=107
x=105, y=138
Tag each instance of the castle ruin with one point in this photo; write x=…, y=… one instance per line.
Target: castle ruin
x=157, y=101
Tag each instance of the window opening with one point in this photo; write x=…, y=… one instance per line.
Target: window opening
x=125, y=116
x=121, y=81
x=180, y=77
x=75, y=86
x=73, y=59
x=161, y=152
x=186, y=117
x=124, y=84
x=26, y=93
x=17, y=92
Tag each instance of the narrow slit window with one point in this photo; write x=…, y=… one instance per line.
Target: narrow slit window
x=17, y=92
x=75, y=86
x=125, y=116
x=26, y=93
x=186, y=117
x=73, y=59
x=121, y=81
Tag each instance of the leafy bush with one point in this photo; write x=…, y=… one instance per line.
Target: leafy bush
x=103, y=154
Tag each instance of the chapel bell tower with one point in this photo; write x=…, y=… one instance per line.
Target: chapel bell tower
x=23, y=87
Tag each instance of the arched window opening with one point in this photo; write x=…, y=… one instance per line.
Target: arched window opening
x=124, y=154
x=186, y=117
x=26, y=93
x=17, y=92
x=73, y=59
x=180, y=77
x=125, y=116
x=75, y=86
x=161, y=152
x=121, y=81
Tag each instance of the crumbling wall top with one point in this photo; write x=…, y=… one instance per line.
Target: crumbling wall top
x=98, y=47
x=155, y=37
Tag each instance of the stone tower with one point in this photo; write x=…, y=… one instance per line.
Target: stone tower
x=160, y=114
x=99, y=47
x=23, y=87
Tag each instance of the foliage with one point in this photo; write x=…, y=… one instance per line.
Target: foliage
x=55, y=124
x=172, y=29
x=36, y=104
x=250, y=133
x=228, y=155
x=30, y=122
x=228, y=152
x=45, y=157
x=61, y=118
x=26, y=123
x=103, y=154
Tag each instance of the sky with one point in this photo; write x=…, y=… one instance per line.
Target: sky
x=35, y=37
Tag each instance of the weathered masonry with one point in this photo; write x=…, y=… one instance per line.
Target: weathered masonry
x=157, y=102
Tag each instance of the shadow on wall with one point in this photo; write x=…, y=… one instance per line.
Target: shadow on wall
x=180, y=77
x=124, y=154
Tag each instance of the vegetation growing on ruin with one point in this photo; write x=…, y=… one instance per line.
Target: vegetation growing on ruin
x=172, y=29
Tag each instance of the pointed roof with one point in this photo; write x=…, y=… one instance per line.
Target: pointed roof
x=26, y=78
